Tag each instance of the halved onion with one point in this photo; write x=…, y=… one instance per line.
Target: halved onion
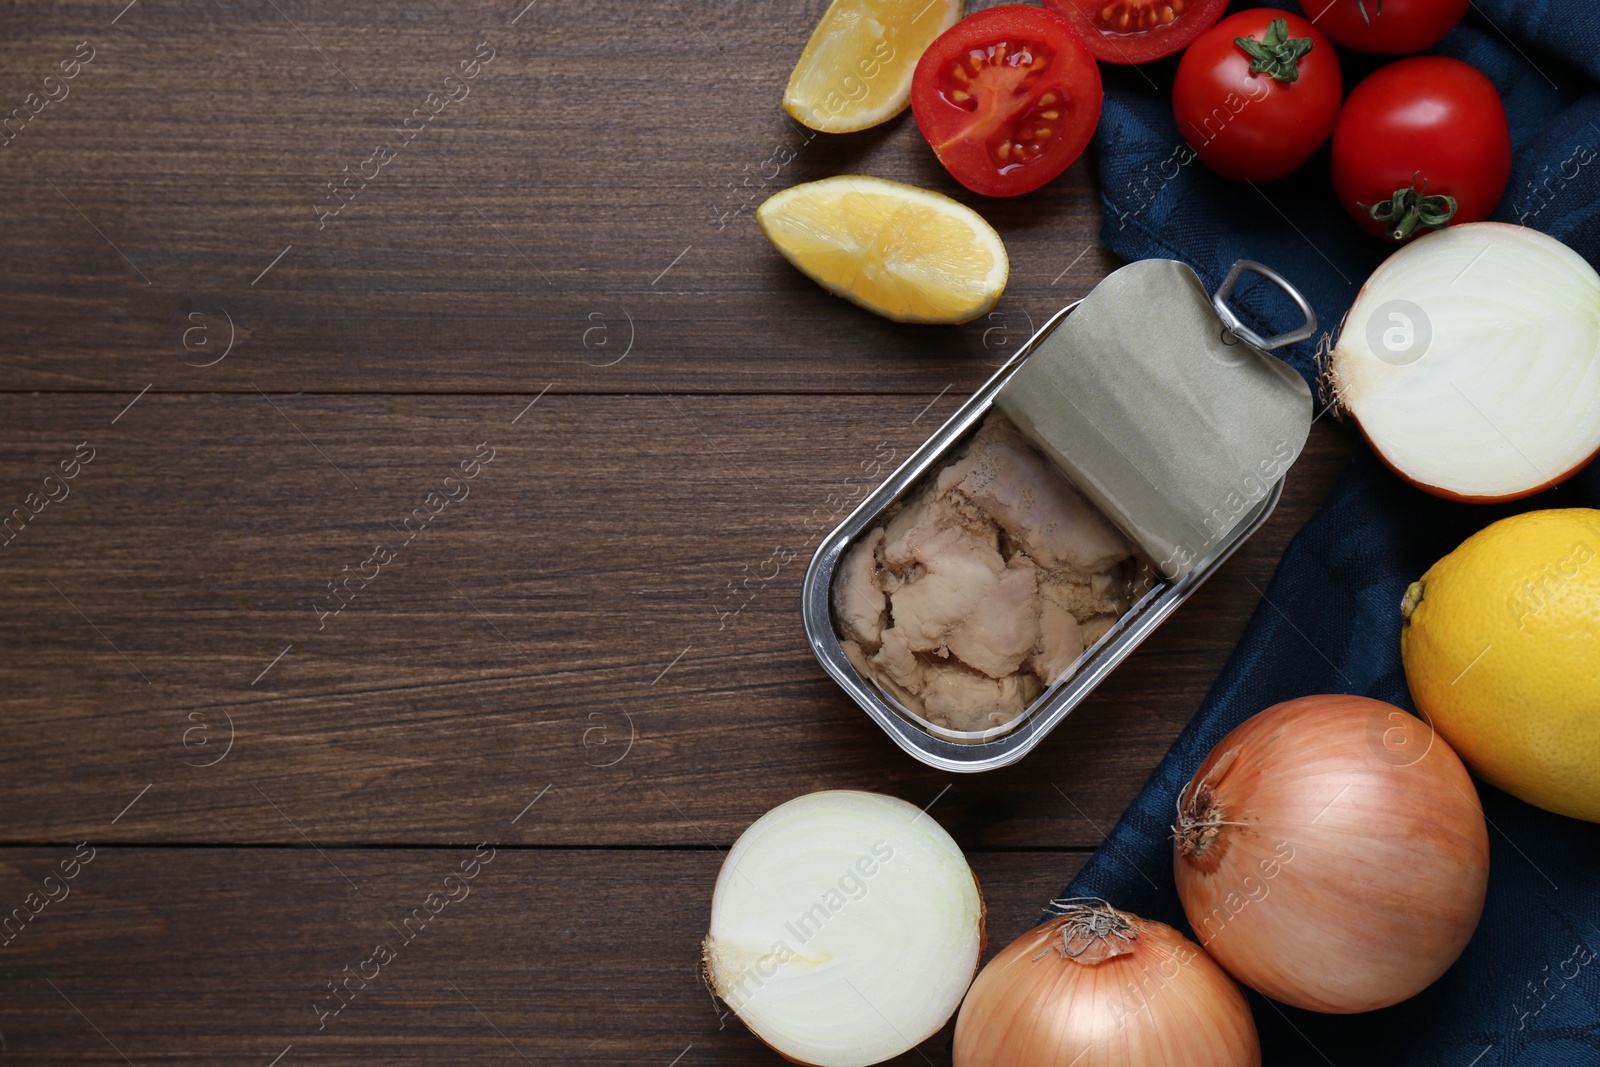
x=1471, y=361
x=845, y=928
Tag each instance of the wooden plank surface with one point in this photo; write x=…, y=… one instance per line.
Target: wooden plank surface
x=511, y=235
x=560, y=269
x=205, y=956
x=575, y=621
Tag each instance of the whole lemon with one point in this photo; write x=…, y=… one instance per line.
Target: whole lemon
x=1501, y=643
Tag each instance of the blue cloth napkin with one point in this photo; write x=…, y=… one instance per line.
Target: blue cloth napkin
x=1527, y=989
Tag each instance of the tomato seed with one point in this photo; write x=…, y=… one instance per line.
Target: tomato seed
x=1139, y=15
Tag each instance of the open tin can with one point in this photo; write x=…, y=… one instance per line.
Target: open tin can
x=1171, y=293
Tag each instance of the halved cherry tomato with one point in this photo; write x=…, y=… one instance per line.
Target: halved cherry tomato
x=1007, y=98
x=1388, y=27
x=1138, y=31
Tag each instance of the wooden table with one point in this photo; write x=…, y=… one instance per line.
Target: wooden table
x=550, y=278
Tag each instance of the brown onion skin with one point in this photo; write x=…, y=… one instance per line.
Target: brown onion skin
x=1359, y=871
x=1165, y=1003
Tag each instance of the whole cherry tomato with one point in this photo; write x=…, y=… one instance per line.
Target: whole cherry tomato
x=1257, y=94
x=1388, y=27
x=1007, y=98
x=1137, y=31
x=1420, y=143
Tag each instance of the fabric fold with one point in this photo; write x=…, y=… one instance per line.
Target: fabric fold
x=1329, y=622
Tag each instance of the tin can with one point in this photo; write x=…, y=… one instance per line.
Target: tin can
x=969, y=752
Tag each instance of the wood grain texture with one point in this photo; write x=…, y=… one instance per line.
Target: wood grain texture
x=560, y=267
x=579, y=596
x=602, y=144
x=222, y=956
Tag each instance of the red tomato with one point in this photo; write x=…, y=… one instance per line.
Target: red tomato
x=1388, y=27
x=1256, y=111
x=1137, y=31
x=1008, y=98
x=1431, y=117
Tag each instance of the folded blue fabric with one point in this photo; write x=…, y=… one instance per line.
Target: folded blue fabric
x=1527, y=989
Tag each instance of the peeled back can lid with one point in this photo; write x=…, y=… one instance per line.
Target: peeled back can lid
x=1170, y=421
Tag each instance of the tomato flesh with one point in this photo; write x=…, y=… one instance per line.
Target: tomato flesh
x=1007, y=99
x=991, y=84
x=1137, y=31
x=1392, y=27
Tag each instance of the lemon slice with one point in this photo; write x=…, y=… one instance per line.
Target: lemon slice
x=856, y=69
x=903, y=252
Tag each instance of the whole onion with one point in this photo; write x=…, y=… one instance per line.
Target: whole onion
x=1097, y=987
x=1331, y=853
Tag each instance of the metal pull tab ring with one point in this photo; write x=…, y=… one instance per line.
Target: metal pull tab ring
x=1245, y=333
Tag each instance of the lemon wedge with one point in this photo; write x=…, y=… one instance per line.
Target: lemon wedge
x=857, y=66
x=906, y=253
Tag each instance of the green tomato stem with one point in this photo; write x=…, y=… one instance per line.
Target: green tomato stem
x=1276, y=53
x=1411, y=209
